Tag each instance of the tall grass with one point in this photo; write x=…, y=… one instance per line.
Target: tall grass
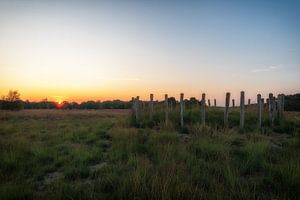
x=215, y=119
x=105, y=157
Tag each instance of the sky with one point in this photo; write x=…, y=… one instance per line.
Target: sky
x=100, y=50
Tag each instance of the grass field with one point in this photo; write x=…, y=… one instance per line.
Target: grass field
x=83, y=154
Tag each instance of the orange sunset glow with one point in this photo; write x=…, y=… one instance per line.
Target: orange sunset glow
x=59, y=104
x=102, y=55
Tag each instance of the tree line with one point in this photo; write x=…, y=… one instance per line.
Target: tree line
x=12, y=101
x=292, y=102
x=18, y=105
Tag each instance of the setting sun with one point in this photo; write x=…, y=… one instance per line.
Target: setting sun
x=58, y=99
x=59, y=104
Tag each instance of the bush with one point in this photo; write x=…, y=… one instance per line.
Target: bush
x=11, y=105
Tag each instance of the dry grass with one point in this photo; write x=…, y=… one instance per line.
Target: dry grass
x=60, y=114
x=96, y=154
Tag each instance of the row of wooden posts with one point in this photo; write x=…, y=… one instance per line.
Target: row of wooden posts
x=275, y=108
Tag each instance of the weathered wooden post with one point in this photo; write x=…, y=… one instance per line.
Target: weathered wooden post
x=259, y=106
x=249, y=101
x=181, y=110
x=274, y=108
x=203, y=109
x=271, y=118
x=279, y=106
x=215, y=102
x=233, y=104
x=283, y=98
x=282, y=104
x=166, y=109
x=208, y=102
x=132, y=100
x=143, y=104
x=276, y=114
x=242, y=110
x=227, y=100
x=133, y=107
x=137, y=102
x=151, y=106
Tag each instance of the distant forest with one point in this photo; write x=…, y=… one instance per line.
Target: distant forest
x=17, y=105
x=292, y=103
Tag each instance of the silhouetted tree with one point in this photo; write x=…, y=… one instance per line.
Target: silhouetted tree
x=292, y=102
x=11, y=101
x=172, y=101
x=193, y=102
x=13, y=95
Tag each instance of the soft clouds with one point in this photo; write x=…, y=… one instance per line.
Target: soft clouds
x=120, y=79
x=267, y=69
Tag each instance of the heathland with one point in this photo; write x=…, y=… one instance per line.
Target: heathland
x=104, y=154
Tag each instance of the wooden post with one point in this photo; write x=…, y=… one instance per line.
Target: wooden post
x=227, y=100
x=282, y=104
x=166, y=109
x=259, y=106
x=208, y=102
x=133, y=107
x=276, y=115
x=274, y=108
x=132, y=100
x=151, y=106
x=137, y=102
x=283, y=97
x=242, y=110
x=215, y=102
x=203, y=109
x=181, y=110
x=233, y=104
x=271, y=110
x=279, y=106
x=249, y=101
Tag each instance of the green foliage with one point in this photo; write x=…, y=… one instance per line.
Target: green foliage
x=292, y=102
x=10, y=105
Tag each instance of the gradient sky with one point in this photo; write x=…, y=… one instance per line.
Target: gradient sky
x=79, y=50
